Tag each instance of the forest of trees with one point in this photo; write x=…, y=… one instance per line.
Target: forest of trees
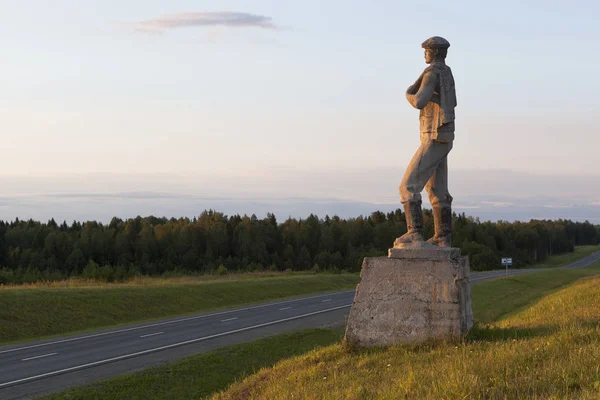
x=213, y=242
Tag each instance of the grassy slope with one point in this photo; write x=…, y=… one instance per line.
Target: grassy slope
x=548, y=349
x=34, y=313
x=504, y=297
x=191, y=377
x=145, y=280
x=567, y=258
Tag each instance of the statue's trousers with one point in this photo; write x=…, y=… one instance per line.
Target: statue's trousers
x=428, y=169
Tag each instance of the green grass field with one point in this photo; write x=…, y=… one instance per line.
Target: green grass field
x=537, y=336
x=504, y=297
x=28, y=313
x=567, y=258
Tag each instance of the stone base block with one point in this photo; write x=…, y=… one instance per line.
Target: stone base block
x=410, y=297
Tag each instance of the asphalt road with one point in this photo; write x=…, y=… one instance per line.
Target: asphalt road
x=31, y=369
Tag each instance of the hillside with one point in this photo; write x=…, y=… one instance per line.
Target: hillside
x=549, y=349
x=33, y=312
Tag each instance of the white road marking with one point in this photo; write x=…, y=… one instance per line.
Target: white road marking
x=229, y=319
x=152, y=334
x=42, y=356
x=325, y=301
x=171, y=322
x=139, y=353
x=53, y=373
x=284, y=308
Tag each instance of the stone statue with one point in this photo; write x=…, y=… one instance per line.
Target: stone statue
x=434, y=94
x=421, y=290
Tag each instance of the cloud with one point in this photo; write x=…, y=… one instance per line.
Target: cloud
x=192, y=19
x=498, y=203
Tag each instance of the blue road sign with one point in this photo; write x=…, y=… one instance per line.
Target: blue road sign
x=506, y=262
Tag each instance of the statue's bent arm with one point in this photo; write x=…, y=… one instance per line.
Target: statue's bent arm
x=425, y=93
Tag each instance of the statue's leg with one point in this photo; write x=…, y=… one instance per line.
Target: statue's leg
x=440, y=198
x=421, y=168
x=437, y=185
x=419, y=171
x=411, y=186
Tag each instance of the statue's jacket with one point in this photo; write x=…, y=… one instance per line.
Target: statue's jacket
x=437, y=117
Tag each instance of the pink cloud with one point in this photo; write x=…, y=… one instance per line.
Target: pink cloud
x=200, y=19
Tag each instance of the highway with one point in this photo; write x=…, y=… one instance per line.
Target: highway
x=31, y=369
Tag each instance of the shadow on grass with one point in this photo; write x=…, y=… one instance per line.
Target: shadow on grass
x=495, y=334
x=477, y=334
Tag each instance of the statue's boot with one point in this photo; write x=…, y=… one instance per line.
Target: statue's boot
x=442, y=219
x=414, y=222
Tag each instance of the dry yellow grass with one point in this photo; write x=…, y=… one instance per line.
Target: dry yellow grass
x=81, y=283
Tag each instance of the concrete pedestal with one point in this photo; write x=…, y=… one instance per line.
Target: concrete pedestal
x=411, y=296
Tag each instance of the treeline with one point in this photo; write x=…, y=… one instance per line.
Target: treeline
x=214, y=242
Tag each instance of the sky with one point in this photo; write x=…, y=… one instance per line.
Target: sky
x=217, y=94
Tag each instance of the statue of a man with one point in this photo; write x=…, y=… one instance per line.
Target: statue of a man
x=434, y=94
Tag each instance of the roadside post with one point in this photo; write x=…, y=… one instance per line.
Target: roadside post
x=506, y=262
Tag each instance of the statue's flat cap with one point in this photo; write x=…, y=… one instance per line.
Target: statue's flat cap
x=436, y=42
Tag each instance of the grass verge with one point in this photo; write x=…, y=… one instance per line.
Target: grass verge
x=512, y=315
x=145, y=280
x=507, y=296
x=201, y=375
x=42, y=312
x=559, y=260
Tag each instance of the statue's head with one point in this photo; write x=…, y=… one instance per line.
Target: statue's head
x=436, y=49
